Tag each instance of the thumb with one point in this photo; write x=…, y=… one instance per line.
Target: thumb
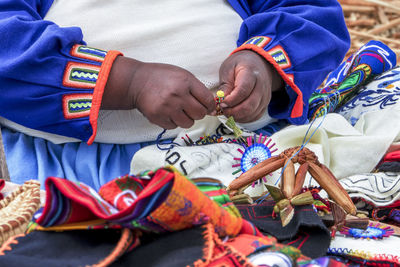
x=227, y=78
x=243, y=87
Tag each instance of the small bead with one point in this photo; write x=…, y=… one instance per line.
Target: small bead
x=220, y=94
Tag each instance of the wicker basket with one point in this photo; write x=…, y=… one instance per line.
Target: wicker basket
x=373, y=20
x=17, y=209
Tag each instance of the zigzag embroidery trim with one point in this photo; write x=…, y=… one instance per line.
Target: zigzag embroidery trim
x=363, y=254
x=280, y=57
x=79, y=75
x=260, y=41
x=86, y=52
x=77, y=105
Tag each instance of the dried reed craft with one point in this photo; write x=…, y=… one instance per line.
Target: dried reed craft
x=292, y=182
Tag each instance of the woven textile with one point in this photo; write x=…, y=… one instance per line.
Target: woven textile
x=246, y=250
x=392, y=156
x=160, y=201
x=72, y=248
x=198, y=246
x=371, y=59
x=215, y=190
x=369, y=252
x=305, y=231
x=381, y=93
x=389, y=166
x=2, y=183
x=380, y=188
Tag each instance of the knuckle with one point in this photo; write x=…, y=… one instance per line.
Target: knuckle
x=183, y=78
x=210, y=101
x=171, y=93
x=186, y=124
x=199, y=115
x=169, y=126
x=255, y=72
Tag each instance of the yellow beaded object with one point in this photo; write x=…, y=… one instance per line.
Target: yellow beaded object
x=220, y=94
x=218, y=100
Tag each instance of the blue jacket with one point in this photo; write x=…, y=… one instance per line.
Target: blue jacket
x=51, y=81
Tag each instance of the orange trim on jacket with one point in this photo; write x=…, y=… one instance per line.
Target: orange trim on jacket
x=99, y=90
x=297, y=109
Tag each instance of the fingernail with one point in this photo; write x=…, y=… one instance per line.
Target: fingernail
x=213, y=113
x=223, y=105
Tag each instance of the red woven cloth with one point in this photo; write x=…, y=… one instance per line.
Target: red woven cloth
x=2, y=184
x=392, y=156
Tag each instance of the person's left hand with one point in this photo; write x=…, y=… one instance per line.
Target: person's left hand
x=248, y=81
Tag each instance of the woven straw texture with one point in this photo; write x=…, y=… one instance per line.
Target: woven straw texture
x=17, y=209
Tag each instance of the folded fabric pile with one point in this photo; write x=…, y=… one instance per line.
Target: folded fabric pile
x=137, y=208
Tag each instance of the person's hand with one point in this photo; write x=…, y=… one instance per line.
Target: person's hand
x=248, y=81
x=166, y=95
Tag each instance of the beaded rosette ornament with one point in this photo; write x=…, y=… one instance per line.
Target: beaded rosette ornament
x=255, y=151
x=373, y=231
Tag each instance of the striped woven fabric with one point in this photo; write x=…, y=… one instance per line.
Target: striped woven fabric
x=215, y=190
x=159, y=201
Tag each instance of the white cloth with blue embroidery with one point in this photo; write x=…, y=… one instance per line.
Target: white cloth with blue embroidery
x=381, y=189
x=350, y=142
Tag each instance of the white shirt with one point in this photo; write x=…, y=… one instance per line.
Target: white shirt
x=197, y=35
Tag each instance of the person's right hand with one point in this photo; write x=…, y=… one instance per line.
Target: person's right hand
x=167, y=95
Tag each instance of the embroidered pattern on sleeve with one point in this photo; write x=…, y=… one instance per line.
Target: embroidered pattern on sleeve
x=80, y=75
x=280, y=60
x=280, y=56
x=89, y=53
x=260, y=41
x=77, y=105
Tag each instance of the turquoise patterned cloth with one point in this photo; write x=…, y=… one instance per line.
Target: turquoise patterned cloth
x=345, y=82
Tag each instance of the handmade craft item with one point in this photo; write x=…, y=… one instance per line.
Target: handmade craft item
x=237, y=132
x=284, y=203
x=373, y=231
x=308, y=163
x=218, y=100
x=341, y=221
x=17, y=209
x=256, y=151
